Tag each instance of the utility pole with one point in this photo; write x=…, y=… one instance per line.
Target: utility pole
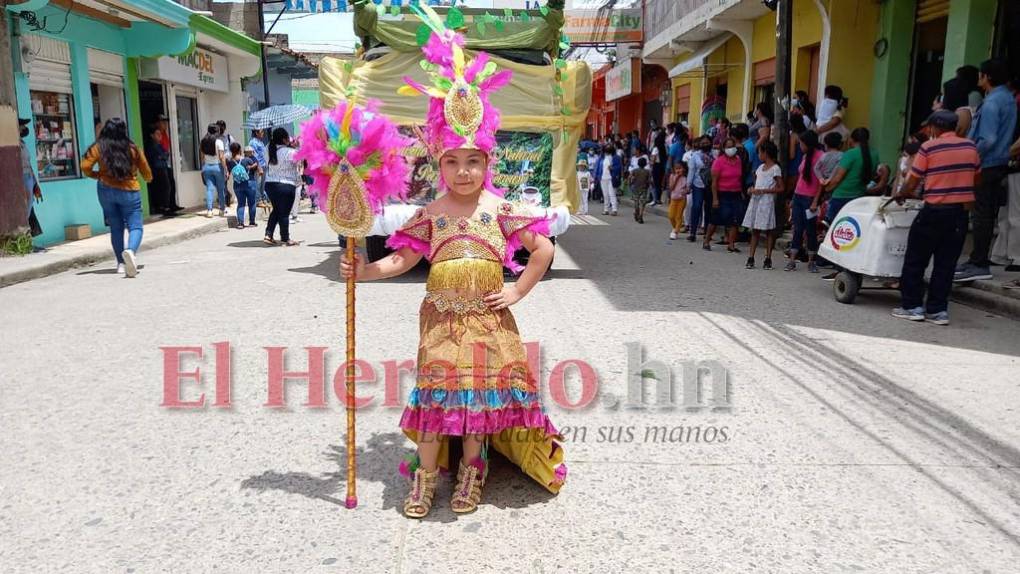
x=784, y=47
x=262, y=41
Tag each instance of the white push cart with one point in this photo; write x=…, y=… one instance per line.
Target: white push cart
x=868, y=240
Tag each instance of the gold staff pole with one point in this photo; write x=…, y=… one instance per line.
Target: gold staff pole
x=352, y=497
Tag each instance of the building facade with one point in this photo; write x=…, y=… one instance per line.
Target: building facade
x=890, y=58
x=136, y=61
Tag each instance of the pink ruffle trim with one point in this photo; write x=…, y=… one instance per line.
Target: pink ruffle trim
x=513, y=243
x=457, y=422
x=400, y=239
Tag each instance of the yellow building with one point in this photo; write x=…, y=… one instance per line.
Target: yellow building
x=724, y=54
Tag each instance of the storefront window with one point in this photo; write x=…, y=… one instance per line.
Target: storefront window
x=56, y=144
x=187, y=128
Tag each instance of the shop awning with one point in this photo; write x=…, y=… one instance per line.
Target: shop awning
x=697, y=61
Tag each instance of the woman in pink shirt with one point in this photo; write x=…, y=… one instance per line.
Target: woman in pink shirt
x=727, y=188
x=805, y=204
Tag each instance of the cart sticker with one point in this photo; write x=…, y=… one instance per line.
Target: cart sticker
x=846, y=234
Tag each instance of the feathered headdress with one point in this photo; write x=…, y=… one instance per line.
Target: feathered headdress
x=353, y=156
x=460, y=114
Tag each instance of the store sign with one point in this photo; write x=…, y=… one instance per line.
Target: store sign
x=200, y=68
x=603, y=26
x=623, y=80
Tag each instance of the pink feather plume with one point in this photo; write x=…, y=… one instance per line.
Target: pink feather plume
x=372, y=136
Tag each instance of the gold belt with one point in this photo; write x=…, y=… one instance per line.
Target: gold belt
x=459, y=305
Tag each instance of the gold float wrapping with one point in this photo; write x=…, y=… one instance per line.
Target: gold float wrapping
x=347, y=208
x=478, y=275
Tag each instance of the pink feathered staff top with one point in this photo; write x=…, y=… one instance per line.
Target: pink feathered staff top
x=370, y=143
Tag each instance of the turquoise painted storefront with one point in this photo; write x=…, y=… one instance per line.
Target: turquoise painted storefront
x=73, y=201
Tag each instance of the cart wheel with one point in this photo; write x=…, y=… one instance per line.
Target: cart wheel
x=845, y=287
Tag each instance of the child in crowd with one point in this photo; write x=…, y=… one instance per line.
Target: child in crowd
x=678, y=190
x=761, y=212
x=244, y=171
x=639, y=181
x=584, y=184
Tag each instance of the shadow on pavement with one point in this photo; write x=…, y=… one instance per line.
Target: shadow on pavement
x=637, y=269
x=506, y=488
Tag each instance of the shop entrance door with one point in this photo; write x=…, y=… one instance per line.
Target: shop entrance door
x=926, y=79
x=155, y=121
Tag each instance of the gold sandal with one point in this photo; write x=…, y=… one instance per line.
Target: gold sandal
x=423, y=489
x=470, y=480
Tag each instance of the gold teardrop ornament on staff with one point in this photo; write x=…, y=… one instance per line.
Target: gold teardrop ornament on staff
x=347, y=208
x=350, y=215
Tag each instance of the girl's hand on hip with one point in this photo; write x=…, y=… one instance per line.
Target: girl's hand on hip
x=508, y=296
x=350, y=269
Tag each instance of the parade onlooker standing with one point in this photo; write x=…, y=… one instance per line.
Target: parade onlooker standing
x=992, y=133
x=640, y=179
x=282, y=178
x=226, y=139
x=659, y=158
x=244, y=170
x=857, y=168
x=830, y=112
x=609, y=170
x=119, y=163
x=727, y=196
x=159, y=190
x=29, y=181
x=761, y=212
x=948, y=164
x=678, y=190
x=584, y=186
x=214, y=169
x=699, y=174
x=1007, y=244
x=805, y=204
x=256, y=143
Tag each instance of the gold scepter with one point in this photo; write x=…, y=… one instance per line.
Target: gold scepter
x=357, y=151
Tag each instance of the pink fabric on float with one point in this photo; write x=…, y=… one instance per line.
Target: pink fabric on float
x=454, y=422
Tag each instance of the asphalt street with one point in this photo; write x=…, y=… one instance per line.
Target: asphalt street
x=846, y=440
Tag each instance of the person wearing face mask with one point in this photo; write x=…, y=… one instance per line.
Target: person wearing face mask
x=468, y=235
x=727, y=199
x=699, y=174
x=830, y=112
x=609, y=172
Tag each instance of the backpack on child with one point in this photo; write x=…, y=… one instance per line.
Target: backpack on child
x=239, y=172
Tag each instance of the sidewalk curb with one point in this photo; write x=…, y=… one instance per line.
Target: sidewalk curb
x=97, y=255
x=984, y=295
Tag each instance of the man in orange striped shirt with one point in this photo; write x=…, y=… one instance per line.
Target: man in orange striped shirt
x=949, y=166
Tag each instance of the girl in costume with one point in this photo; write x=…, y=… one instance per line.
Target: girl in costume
x=473, y=381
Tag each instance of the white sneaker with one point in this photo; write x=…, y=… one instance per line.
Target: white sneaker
x=672, y=234
x=208, y=213
x=130, y=265
x=120, y=268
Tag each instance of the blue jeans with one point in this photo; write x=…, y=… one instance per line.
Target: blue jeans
x=803, y=226
x=215, y=184
x=122, y=209
x=697, y=208
x=247, y=193
x=835, y=205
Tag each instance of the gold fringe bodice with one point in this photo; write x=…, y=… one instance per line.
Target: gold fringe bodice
x=466, y=274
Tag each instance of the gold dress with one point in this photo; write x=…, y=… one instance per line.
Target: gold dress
x=473, y=374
